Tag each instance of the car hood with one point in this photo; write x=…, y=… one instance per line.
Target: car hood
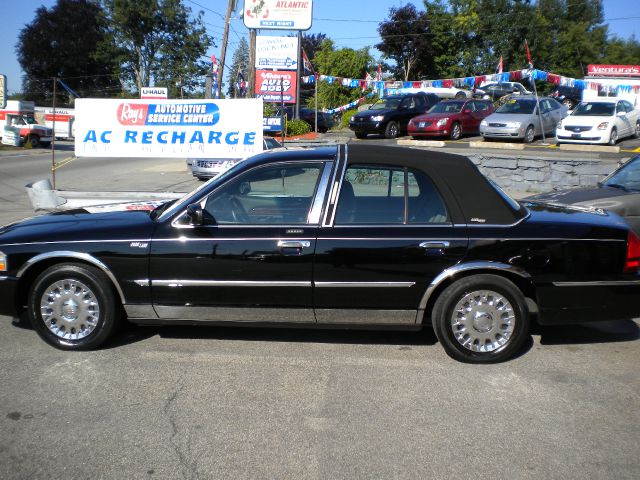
x=78, y=225
x=574, y=120
x=613, y=199
x=510, y=117
x=370, y=113
x=434, y=116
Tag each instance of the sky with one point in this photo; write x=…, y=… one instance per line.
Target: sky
x=344, y=21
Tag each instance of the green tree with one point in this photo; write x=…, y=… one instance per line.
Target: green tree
x=68, y=41
x=343, y=62
x=239, y=67
x=158, y=42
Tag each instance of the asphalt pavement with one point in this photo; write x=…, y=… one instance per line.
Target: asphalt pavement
x=236, y=403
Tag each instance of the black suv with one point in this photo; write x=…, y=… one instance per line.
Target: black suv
x=569, y=96
x=391, y=115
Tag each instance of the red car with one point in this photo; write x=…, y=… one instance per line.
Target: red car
x=451, y=118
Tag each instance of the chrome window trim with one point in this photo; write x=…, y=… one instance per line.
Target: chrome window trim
x=203, y=200
x=176, y=283
x=336, y=186
x=364, y=284
x=76, y=255
x=313, y=218
x=235, y=239
x=462, y=267
x=603, y=283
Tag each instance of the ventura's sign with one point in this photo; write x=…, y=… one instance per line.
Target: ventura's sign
x=153, y=92
x=278, y=14
x=168, y=128
x=276, y=86
x=614, y=70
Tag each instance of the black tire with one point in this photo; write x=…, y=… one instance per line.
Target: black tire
x=613, y=138
x=636, y=133
x=460, y=95
x=456, y=131
x=82, y=315
x=529, y=134
x=361, y=135
x=392, y=130
x=33, y=141
x=483, y=340
x=569, y=103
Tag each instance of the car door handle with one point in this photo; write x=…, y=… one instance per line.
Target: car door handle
x=299, y=244
x=439, y=245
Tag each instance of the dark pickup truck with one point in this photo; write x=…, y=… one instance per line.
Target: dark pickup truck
x=390, y=115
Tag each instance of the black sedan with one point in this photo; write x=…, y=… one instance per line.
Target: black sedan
x=337, y=237
x=619, y=192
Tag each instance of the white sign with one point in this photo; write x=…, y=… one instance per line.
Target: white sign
x=280, y=53
x=168, y=128
x=278, y=14
x=11, y=136
x=154, y=92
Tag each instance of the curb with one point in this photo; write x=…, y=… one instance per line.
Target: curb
x=497, y=145
x=421, y=143
x=589, y=148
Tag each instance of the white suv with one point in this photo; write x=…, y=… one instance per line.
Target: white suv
x=599, y=121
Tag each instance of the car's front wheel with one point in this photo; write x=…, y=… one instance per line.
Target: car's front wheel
x=529, y=134
x=456, y=131
x=636, y=132
x=72, y=307
x=481, y=319
x=613, y=138
x=392, y=130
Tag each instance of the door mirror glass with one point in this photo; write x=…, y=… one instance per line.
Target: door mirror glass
x=194, y=212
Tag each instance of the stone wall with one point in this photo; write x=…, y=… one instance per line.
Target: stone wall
x=521, y=175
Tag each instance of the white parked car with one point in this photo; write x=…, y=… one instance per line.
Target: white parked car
x=600, y=121
x=448, y=92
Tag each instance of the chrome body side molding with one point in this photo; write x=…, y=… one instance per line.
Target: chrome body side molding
x=462, y=267
x=140, y=311
x=366, y=317
x=364, y=284
x=174, y=283
x=232, y=314
x=73, y=255
x=605, y=283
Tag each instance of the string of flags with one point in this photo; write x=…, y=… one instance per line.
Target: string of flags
x=381, y=87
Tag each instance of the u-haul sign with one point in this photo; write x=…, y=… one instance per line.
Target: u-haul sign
x=153, y=92
x=230, y=128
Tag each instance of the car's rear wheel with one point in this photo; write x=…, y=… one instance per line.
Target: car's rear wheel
x=529, y=134
x=636, y=133
x=460, y=95
x=613, y=138
x=456, y=131
x=73, y=307
x=392, y=130
x=481, y=319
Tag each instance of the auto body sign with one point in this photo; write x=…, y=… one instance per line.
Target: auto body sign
x=168, y=128
x=276, y=86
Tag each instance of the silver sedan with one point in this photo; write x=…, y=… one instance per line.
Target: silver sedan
x=520, y=119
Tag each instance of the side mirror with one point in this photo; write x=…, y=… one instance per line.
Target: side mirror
x=194, y=212
x=466, y=110
x=621, y=114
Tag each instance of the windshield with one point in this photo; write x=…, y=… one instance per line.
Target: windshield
x=599, y=109
x=445, y=107
x=390, y=103
x=525, y=107
x=627, y=178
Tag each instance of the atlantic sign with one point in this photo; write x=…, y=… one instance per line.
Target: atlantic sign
x=278, y=14
x=168, y=128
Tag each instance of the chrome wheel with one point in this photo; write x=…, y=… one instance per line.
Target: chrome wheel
x=456, y=131
x=69, y=309
x=614, y=137
x=529, y=135
x=483, y=321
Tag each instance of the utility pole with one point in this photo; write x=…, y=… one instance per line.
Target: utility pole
x=251, y=87
x=299, y=71
x=225, y=39
x=53, y=137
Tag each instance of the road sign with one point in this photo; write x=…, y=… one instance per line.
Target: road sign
x=278, y=14
x=276, y=52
